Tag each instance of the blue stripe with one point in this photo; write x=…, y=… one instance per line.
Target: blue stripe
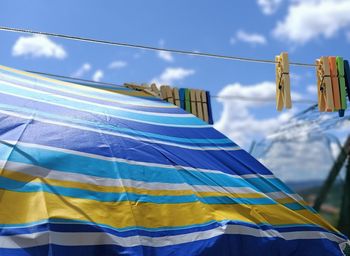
x=65, y=225
x=223, y=245
x=19, y=186
x=240, y=161
x=108, y=127
x=92, y=98
x=87, y=107
x=101, y=168
x=181, y=132
x=80, y=89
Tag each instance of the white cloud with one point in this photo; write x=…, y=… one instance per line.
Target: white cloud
x=38, y=46
x=85, y=68
x=166, y=56
x=171, y=75
x=269, y=7
x=117, y=64
x=312, y=89
x=251, y=38
x=300, y=159
x=237, y=120
x=98, y=75
x=310, y=19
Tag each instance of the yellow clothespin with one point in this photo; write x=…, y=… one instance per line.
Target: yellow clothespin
x=205, y=106
x=176, y=97
x=199, y=104
x=324, y=85
x=155, y=90
x=163, y=93
x=193, y=102
x=169, y=94
x=283, y=97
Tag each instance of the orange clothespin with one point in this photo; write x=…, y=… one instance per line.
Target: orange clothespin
x=283, y=97
x=335, y=82
x=324, y=85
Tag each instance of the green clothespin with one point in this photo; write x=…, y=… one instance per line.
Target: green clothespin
x=342, y=88
x=187, y=101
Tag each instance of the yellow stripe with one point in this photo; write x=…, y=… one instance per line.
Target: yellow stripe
x=288, y=200
x=19, y=208
x=82, y=87
x=18, y=176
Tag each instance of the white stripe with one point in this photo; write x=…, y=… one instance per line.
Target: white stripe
x=57, y=83
x=96, y=238
x=116, y=134
x=133, y=162
x=109, y=182
x=180, y=115
x=99, y=113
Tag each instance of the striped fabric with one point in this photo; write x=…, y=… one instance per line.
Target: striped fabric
x=86, y=171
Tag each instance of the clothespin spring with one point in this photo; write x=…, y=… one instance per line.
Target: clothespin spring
x=280, y=79
x=322, y=84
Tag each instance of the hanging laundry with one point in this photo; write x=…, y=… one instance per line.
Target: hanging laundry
x=91, y=172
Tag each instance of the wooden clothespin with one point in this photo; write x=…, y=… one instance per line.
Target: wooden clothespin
x=342, y=88
x=283, y=97
x=335, y=82
x=176, y=97
x=155, y=90
x=347, y=77
x=193, y=102
x=199, y=104
x=163, y=92
x=169, y=94
x=166, y=93
x=143, y=88
x=324, y=85
x=188, y=100
x=205, y=106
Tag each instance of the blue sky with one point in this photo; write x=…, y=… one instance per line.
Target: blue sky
x=254, y=28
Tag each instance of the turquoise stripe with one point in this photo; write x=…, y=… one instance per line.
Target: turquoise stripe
x=104, y=126
x=65, y=162
x=100, y=110
x=102, y=93
x=19, y=186
x=295, y=206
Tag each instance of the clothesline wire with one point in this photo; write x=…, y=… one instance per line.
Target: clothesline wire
x=233, y=97
x=151, y=48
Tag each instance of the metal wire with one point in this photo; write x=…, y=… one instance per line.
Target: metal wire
x=151, y=48
x=232, y=97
